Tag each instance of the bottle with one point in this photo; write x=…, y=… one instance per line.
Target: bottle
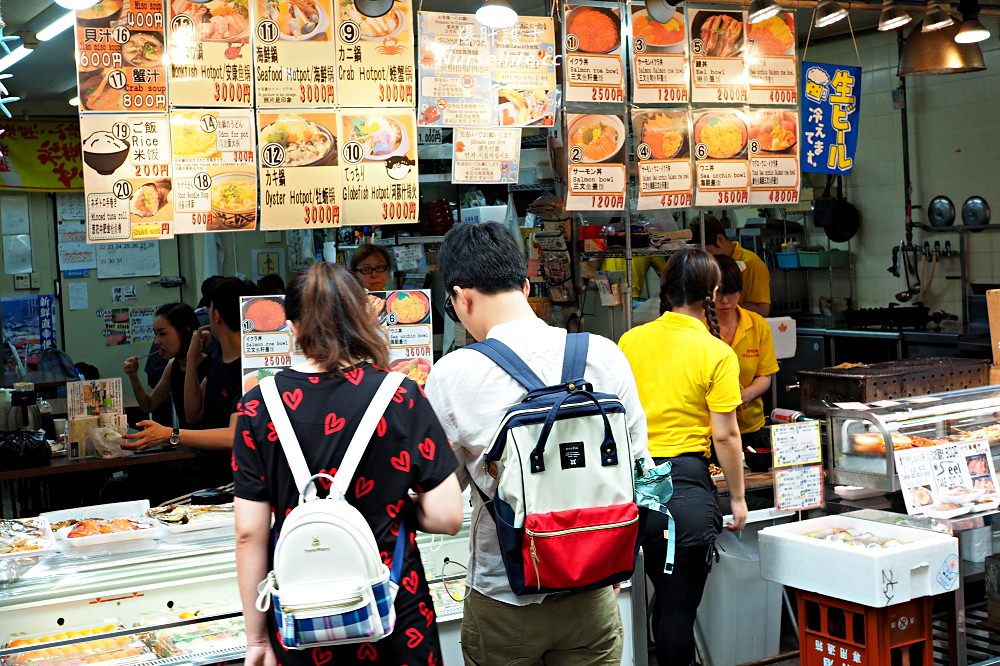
x=46, y=422
x=780, y=415
x=23, y=411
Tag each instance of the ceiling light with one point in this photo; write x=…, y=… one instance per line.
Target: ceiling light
x=496, y=14
x=936, y=52
x=74, y=101
x=829, y=12
x=761, y=10
x=892, y=17
x=662, y=11
x=936, y=18
x=972, y=31
x=64, y=22
x=76, y=4
x=16, y=56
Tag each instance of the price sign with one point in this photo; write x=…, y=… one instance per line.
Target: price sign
x=774, y=157
x=597, y=177
x=722, y=172
x=665, y=171
x=593, y=46
x=771, y=62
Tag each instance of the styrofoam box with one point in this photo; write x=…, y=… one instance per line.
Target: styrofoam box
x=926, y=564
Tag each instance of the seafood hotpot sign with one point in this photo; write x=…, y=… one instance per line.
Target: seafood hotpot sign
x=295, y=54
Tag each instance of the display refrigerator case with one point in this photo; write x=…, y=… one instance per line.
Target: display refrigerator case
x=863, y=441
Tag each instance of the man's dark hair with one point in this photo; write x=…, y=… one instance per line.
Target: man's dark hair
x=225, y=299
x=206, y=290
x=485, y=257
x=270, y=285
x=713, y=229
x=732, y=276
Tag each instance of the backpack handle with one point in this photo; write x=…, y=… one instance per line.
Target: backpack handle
x=304, y=490
x=609, y=452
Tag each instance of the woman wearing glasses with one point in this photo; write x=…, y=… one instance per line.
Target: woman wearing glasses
x=370, y=265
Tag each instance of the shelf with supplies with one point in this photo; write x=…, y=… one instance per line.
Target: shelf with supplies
x=619, y=253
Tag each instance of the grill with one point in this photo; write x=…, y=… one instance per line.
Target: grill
x=887, y=381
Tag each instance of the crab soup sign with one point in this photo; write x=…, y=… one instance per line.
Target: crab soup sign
x=375, y=65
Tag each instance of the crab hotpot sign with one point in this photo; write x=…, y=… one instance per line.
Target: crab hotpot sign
x=375, y=64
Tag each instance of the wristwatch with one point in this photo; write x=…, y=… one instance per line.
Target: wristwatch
x=175, y=437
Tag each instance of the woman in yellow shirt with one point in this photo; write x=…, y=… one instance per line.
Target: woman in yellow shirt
x=688, y=382
x=750, y=337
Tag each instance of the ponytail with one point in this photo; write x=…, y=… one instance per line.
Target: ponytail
x=713, y=320
x=691, y=276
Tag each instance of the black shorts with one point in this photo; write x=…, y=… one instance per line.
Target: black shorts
x=694, y=505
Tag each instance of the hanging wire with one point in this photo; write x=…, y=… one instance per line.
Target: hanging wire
x=812, y=21
x=853, y=41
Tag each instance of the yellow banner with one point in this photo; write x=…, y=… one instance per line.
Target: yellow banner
x=41, y=155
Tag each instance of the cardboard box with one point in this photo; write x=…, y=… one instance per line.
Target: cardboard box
x=993, y=307
x=994, y=375
x=924, y=565
x=480, y=214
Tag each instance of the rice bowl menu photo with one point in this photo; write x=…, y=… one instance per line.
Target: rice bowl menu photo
x=659, y=59
x=774, y=156
x=720, y=138
x=375, y=56
x=663, y=139
x=209, y=49
x=718, y=73
x=771, y=63
x=593, y=41
x=267, y=344
x=295, y=54
x=596, y=151
x=378, y=156
x=214, y=170
x=406, y=316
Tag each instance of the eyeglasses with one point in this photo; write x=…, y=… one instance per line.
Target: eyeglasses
x=368, y=270
x=449, y=309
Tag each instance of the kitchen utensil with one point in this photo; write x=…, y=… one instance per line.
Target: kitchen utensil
x=846, y=218
x=975, y=212
x=941, y=212
x=823, y=206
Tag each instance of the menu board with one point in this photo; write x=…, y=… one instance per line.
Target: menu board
x=596, y=148
x=209, y=47
x=720, y=153
x=375, y=56
x=94, y=397
x=487, y=155
x=594, y=68
x=295, y=57
x=126, y=175
x=659, y=59
x=797, y=457
x=796, y=444
x=948, y=480
x=406, y=315
x=798, y=488
x=267, y=345
x=378, y=154
x=774, y=157
x=770, y=61
x=524, y=73
x=663, y=138
x=215, y=173
x=299, y=177
x=718, y=74
x=119, y=56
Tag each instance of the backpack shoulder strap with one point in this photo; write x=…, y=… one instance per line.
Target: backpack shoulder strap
x=286, y=437
x=509, y=362
x=575, y=357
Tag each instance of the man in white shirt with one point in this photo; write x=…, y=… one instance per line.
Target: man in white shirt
x=486, y=279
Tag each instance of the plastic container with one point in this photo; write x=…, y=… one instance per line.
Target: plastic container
x=116, y=651
x=134, y=510
x=787, y=259
x=756, y=610
x=839, y=258
x=813, y=259
x=15, y=564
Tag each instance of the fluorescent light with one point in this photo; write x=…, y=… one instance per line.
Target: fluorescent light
x=829, y=12
x=16, y=56
x=761, y=10
x=971, y=32
x=892, y=17
x=64, y=22
x=496, y=14
x=76, y=4
x=74, y=101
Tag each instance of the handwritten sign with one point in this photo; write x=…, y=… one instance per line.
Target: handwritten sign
x=487, y=155
x=594, y=68
x=722, y=170
x=718, y=73
x=664, y=152
x=831, y=112
x=796, y=444
x=209, y=46
x=774, y=159
x=659, y=59
x=798, y=488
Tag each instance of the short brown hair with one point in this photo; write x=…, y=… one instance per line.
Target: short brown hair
x=367, y=250
x=333, y=323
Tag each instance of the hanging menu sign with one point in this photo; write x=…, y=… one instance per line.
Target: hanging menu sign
x=596, y=148
x=299, y=177
x=718, y=74
x=119, y=56
x=774, y=157
x=209, y=46
x=126, y=176
x=454, y=68
x=214, y=172
x=594, y=70
x=375, y=56
x=267, y=345
x=295, y=56
x=524, y=74
x=378, y=156
x=720, y=153
x=664, y=152
x=406, y=316
x=770, y=60
x=487, y=155
x=659, y=59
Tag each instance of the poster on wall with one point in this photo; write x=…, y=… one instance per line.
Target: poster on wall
x=126, y=176
x=596, y=156
x=524, y=73
x=774, y=158
x=487, y=155
x=209, y=53
x=71, y=242
x=375, y=56
x=720, y=153
x=299, y=177
x=831, y=112
x=664, y=152
x=594, y=69
x=126, y=260
x=119, y=56
x=718, y=73
x=770, y=60
x=295, y=54
x=29, y=323
x=454, y=71
x=378, y=156
x=42, y=155
x=267, y=344
x=214, y=170
x=659, y=59
x=406, y=315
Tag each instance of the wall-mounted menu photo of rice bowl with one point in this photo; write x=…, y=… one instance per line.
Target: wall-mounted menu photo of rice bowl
x=298, y=20
x=297, y=140
x=380, y=137
x=662, y=135
x=658, y=37
x=719, y=135
x=595, y=138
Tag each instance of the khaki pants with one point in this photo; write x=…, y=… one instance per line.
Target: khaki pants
x=580, y=629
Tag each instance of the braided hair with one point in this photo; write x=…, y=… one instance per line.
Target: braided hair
x=691, y=276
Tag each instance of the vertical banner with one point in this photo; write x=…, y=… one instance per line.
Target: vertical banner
x=770, y=59
x=718, y=73
x=299, y=177
x=294, y=53
x=596, y=151
x=659, y=59
x=663, y=139
x=831, y=111
x=488, y=155
x=524, y=73
x=126, y=175
x=379, y=166
x=720, y=153
x=214, y=170
x=594, y=69
x=774, y=159
x=454, y=70
x=209, y=47
x=375, y=56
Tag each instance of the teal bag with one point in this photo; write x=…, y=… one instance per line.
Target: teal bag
x=653, y=489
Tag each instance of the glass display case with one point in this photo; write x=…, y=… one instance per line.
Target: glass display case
x=862, y=441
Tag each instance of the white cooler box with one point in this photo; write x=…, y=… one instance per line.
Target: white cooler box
x=924, y=565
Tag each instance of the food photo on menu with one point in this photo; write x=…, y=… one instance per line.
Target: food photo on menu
x=774, y=131
x=303, y=139
x=658, y=37
x=595, y=138
x=387, y=27
x=774, y=36
x=722, y=133
x=598, y=30
x=299, y=20
x=217, y=20
x=720, y=33
x=665, y=133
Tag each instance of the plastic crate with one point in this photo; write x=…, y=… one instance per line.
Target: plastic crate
x=839, y=258
x=813, y=259
x=787, y=259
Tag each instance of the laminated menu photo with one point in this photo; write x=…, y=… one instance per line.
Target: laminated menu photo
x=948, y=480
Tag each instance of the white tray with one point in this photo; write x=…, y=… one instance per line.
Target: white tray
x=218, y=522
x=134, y=510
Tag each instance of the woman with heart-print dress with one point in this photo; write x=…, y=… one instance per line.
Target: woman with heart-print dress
x=325, y=398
